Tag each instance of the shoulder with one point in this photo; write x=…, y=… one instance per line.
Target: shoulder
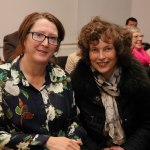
x=82, y=75
x=134, y=77
x=74, y=55
x=82, y=69
x=4, y=73
x=5, y=67
x=134, y=51
x=148, y=51
x=11, y=38
x=12, y=35
x=57, y=73
x=137, y=70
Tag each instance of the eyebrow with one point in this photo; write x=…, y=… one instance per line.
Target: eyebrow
x=41, y=32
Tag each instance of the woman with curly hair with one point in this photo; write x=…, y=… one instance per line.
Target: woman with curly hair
x=112, y=89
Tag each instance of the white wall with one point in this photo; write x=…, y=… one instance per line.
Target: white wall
x=12, y=12
x=72, y=13
x=115, y=11
x=141, y=10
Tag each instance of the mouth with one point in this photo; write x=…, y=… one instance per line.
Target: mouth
x=42, y=52
x=139, y=44
x=102, y=64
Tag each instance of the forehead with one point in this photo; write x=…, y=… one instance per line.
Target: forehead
x=137, y=33
x=132, y=23
x=100, y=42
x=44, y=25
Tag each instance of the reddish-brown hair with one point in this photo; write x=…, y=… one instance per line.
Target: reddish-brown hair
x=27, y=24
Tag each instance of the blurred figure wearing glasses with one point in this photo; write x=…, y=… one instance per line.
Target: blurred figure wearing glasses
x=137, y=47
x=37, y=110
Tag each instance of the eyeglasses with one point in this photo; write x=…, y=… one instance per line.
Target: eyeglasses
x=138, y=36
x=41, y=37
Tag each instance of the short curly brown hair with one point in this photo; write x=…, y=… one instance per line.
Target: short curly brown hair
x=110, y=33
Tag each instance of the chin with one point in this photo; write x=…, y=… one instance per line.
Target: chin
x=42, y=61
x=102, y=70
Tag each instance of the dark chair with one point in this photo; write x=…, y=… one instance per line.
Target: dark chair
x=61, y=61
x=146, y=46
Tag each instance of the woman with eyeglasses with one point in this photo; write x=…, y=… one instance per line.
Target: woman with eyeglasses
x=37, y=110
x=137, y=47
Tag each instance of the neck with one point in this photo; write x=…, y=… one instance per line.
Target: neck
x=34, y=73
x=31, y=68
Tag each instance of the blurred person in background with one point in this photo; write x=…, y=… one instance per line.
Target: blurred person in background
x=137, y=47
x=131, y=22
x=72, y=61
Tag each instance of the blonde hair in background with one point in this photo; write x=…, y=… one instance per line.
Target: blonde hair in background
x=133, y=29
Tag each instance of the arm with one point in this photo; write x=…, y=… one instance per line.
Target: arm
x=69, y=64
x=14, y=139
x=75, y=132
x=139, y=140
x=72, y=61
x=75, y=129
x=141, y=56
x=59, y=143
x=17, y=139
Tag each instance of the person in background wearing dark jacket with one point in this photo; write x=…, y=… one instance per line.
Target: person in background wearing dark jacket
x=112, y=89
x=10, y=42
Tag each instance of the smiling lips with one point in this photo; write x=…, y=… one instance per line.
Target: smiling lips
x=42, y=51
x=102, y=64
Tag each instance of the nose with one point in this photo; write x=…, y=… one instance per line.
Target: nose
x=140, y=38
x=101, y=54
x=45, y=42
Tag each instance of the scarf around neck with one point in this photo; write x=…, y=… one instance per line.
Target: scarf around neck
x=109, y=92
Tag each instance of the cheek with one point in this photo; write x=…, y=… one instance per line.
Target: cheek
x=113, y=58
x=92, y=57
x=53, y=49
x=28, y=44
x=134, y=41
x=114, y=61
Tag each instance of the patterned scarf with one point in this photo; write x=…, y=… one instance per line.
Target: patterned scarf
x=109, y=92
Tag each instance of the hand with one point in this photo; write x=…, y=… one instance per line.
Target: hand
x=62, y=143
x=116, y=148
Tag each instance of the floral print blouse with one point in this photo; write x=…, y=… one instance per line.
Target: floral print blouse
x=28, y=117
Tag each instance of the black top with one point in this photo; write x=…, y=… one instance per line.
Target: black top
x=133, y=104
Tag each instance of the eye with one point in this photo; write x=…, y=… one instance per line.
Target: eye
x=53, y=38
x=141, y=36
x=38, y=34
x=93, y=49
x=135, y=36
x=108, y=48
